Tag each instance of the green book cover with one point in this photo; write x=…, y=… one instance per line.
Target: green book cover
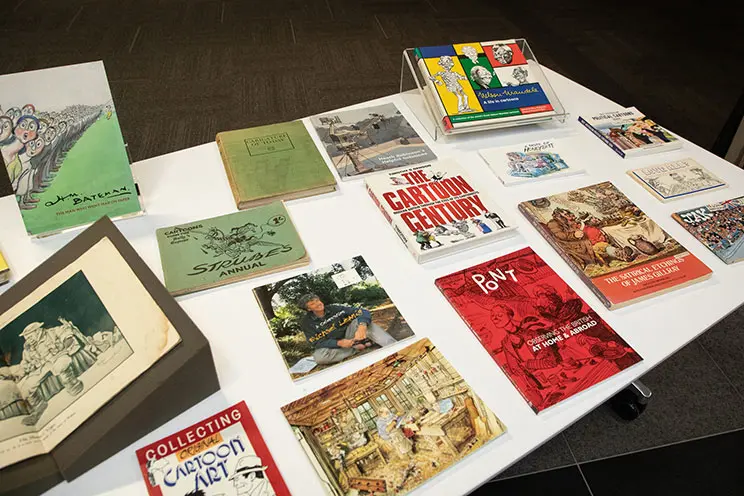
x=279, y=161
x=63, y=149
x=229, y=248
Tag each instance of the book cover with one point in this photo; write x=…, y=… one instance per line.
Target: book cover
x=370, y=139
x=630, y=133
x=63, y=149
x=719, y=226
x=229, y=248
x=470, y=83
x=223, y=455
x=274, y=162
x=436, y=209
x=547, y=340
x=392, y=426
x=677, y=179
x=4, y=270
x=330, y=315
x=529, y=162
x=619, y=252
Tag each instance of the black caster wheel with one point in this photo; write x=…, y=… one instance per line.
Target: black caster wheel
x=631, y=402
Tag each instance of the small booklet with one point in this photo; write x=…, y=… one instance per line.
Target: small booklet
x=719, y=226
x=370, y=139
x=330, y=315
x=223, y=455
x=211, y=252
x=677, y=179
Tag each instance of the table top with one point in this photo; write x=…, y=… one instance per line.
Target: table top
x=190, y=184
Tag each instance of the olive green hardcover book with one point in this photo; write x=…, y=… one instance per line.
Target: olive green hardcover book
x=229, y=248
x=275, y=162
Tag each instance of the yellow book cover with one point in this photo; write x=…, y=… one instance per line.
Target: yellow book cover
x=4, y=270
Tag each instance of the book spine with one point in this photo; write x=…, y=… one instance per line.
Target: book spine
x=228, y=172
x=602, y=137
x=551, y=240
x=387, y=215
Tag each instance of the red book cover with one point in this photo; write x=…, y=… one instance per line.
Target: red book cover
x=223, y=455
x=547, y=340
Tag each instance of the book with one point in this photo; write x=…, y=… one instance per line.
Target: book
x=546, y=339
x=478, y=83
x=4, y=270
x=393, y=425
x=370, y=139
x=613, y=246
x=330, y=315
x=530, y=162
x=224, y=454
x=63, y=149
x=630, y=133
x=719, y=226
x=274, y=162
x=436, y=209
x=211, y=252
x=676, y=179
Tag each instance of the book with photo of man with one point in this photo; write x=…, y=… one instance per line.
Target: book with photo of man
x=329, y=315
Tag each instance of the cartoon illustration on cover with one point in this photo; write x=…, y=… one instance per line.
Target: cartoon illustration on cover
x=392, y=426
x=534, y=164
x=452, y=81
x=719, y=226
x=678, y=178
x=636, y=133
x=239, y=240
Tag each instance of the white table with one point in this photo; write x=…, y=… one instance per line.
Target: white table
x=190, y=184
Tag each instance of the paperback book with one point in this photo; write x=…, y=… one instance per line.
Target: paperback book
x=223, y=455
x=4, y=270
x=719, y=226
x=330, y=315
x=677, y=179
x=530, y=162
x=370, y=139
x=630, y=133
x=393, y=425
x=63, y=149
x=229, y=248
x=547, y=340
x=617, y=250
x=436, y=209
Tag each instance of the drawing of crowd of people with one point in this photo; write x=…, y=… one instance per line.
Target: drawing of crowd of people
x=458, y=230
x=638, y=133
x=534, y=164
x=34, y=144
x=723, y=229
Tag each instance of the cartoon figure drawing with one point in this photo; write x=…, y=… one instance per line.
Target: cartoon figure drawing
x=451, y=81
x=425, y=239
x=521, y=75
x=496, y=219
x=249, y=478
x=238, y=241
x=471, y=53
x=482, y=226
x=481, y=76
x=503, y=54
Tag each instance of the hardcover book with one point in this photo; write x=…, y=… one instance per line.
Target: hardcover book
x=274, y=162
x=531, y=162
x=223, y=455
x=719, y=226
x=4, y=270
x=436, y=209
x=329, y=315
x=678, y=179
x=547, y=340
x=630, y=133
x=392, y=426
x=618, y=251
x=229, y=248
x=63, y=150
x=370, y=139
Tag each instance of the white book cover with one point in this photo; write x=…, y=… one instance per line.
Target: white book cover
x=530, y=162
x=677, y=179
x=436, y=209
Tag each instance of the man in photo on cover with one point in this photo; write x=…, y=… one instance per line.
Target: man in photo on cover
x=337, y=332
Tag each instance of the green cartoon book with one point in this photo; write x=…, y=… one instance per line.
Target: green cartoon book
x=230, y=248
x=275, y=162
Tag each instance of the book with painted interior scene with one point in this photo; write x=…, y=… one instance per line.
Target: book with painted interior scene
x=677, y=179
x=719, y=226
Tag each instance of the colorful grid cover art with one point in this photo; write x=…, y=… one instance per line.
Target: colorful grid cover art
x=545, y=338
x=719, y=226
x=223, y=455
x=486, y=80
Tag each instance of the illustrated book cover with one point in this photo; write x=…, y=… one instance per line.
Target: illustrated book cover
x=274, y=162
x=229, y=248
x=530, y=162
x=719, y=226
x=617, y=250
x=677, y=179
x=370, y=139
x=392, y=426
x=329, y=315
x=436, y=209
x=547, y=340
x=4, y=270
x=469, y=84
x=630, y=133
x=223, y=455
x=63, y=149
